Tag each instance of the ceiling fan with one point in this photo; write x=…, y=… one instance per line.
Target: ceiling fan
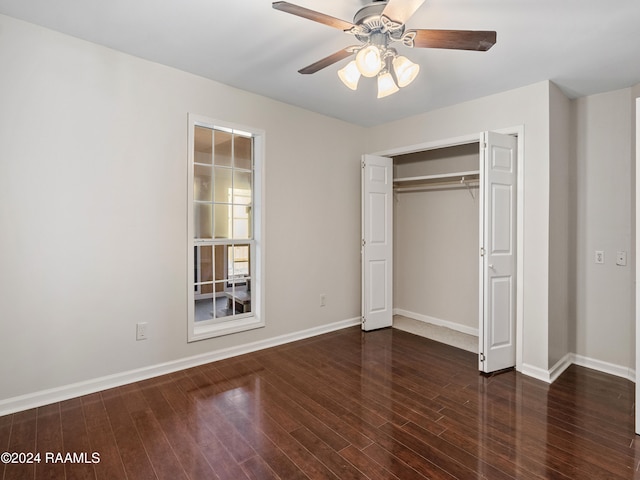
x=377, y=26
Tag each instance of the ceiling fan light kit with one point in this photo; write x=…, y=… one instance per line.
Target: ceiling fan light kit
x=386, y=85
x=376, y=26
x=369, y=61
x=350, y=75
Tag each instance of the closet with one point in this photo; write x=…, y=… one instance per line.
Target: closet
x=439, y=240
x=436, y=236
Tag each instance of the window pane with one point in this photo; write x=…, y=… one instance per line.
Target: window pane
x=242, y=152
x=222, y=151
x=242, y=187
x=202, y=183
x=242, y=222
x=204, y=265
x=222, y=221
x=238, y=258
x=202, y=220
x=204, y=308
x=203, y=145
x=221, y=266
x=223, y=187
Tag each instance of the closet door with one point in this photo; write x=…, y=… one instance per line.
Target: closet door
x=498, y=264
x=377, y=238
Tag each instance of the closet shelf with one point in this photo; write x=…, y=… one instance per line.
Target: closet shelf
x=439, y=179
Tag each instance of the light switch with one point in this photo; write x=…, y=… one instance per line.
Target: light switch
x=621, y=259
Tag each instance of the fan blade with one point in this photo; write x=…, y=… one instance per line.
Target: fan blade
x=325, y=62
x=400, y=11
x=312, y=15
x=454, y=39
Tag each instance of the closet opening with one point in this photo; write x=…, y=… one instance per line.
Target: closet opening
x=436, y=244
x=442, y=243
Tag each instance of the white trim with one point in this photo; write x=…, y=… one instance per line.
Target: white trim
x=550, y=376
x=437, y=321
x=256, y=318
x=449, y=142
x=605, y=367
x=46, y=397
x=536, y=372
x=636, y=251
x=560, y=366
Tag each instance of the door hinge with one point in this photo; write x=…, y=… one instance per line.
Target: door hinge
x=364, y=320
x=482, y=251
x=482, y=357
x=364, y=163
x=364, y=242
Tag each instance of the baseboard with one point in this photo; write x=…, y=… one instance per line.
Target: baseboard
x=560, y=366
x=605, y=367
x=551, y=375
x=536, y=372
x=437, y=321
x=46, y=397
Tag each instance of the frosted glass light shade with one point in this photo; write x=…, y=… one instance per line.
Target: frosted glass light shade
x=406, y=70
x=386, y=85
x=350, y=75
x=368, y=61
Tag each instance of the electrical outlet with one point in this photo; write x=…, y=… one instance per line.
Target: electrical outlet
x=141, y=330
x=599, y=256
x=323, y=299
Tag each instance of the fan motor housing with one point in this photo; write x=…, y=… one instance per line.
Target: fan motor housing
x=368, y=18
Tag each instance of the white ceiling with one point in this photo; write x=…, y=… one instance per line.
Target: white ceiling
x=584, y=46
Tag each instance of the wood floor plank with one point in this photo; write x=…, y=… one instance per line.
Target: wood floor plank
x=132, y=452
x=49, y=441
x=75, y=439
x=22, y=440
x=102, y=439
x=343, y=469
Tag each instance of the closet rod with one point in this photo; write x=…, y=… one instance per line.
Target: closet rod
x=437, y=186
x=439, y=176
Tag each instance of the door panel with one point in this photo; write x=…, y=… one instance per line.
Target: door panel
x=377, y=247
x=498, y=266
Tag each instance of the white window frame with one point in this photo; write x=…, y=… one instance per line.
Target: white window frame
x=254, y=319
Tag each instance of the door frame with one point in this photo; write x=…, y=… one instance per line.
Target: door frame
x=636, y=249
x=518, y=132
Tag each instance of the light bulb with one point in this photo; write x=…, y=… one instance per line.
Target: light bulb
x=386, y=85
x=406, y=70
x=368, y=61
x=350, y=75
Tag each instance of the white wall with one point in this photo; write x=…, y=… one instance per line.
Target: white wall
x=527, y=106
x=604, y=293
x=93, y=187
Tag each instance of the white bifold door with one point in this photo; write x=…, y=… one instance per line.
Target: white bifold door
x=497, y=331
x=497, y=315
x=377, y=242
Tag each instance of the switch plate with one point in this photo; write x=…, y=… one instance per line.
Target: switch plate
x=141, y=330
x=621, y=259
x=599, y=256
x=323, y=299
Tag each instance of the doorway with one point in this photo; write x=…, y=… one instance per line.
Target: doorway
x=500, y=312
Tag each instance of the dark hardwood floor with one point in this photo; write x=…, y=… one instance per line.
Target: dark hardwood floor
x=345, y=405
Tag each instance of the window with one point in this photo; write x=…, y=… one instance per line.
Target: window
x=224, y=228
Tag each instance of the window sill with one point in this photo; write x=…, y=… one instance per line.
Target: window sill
x=202, y=332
